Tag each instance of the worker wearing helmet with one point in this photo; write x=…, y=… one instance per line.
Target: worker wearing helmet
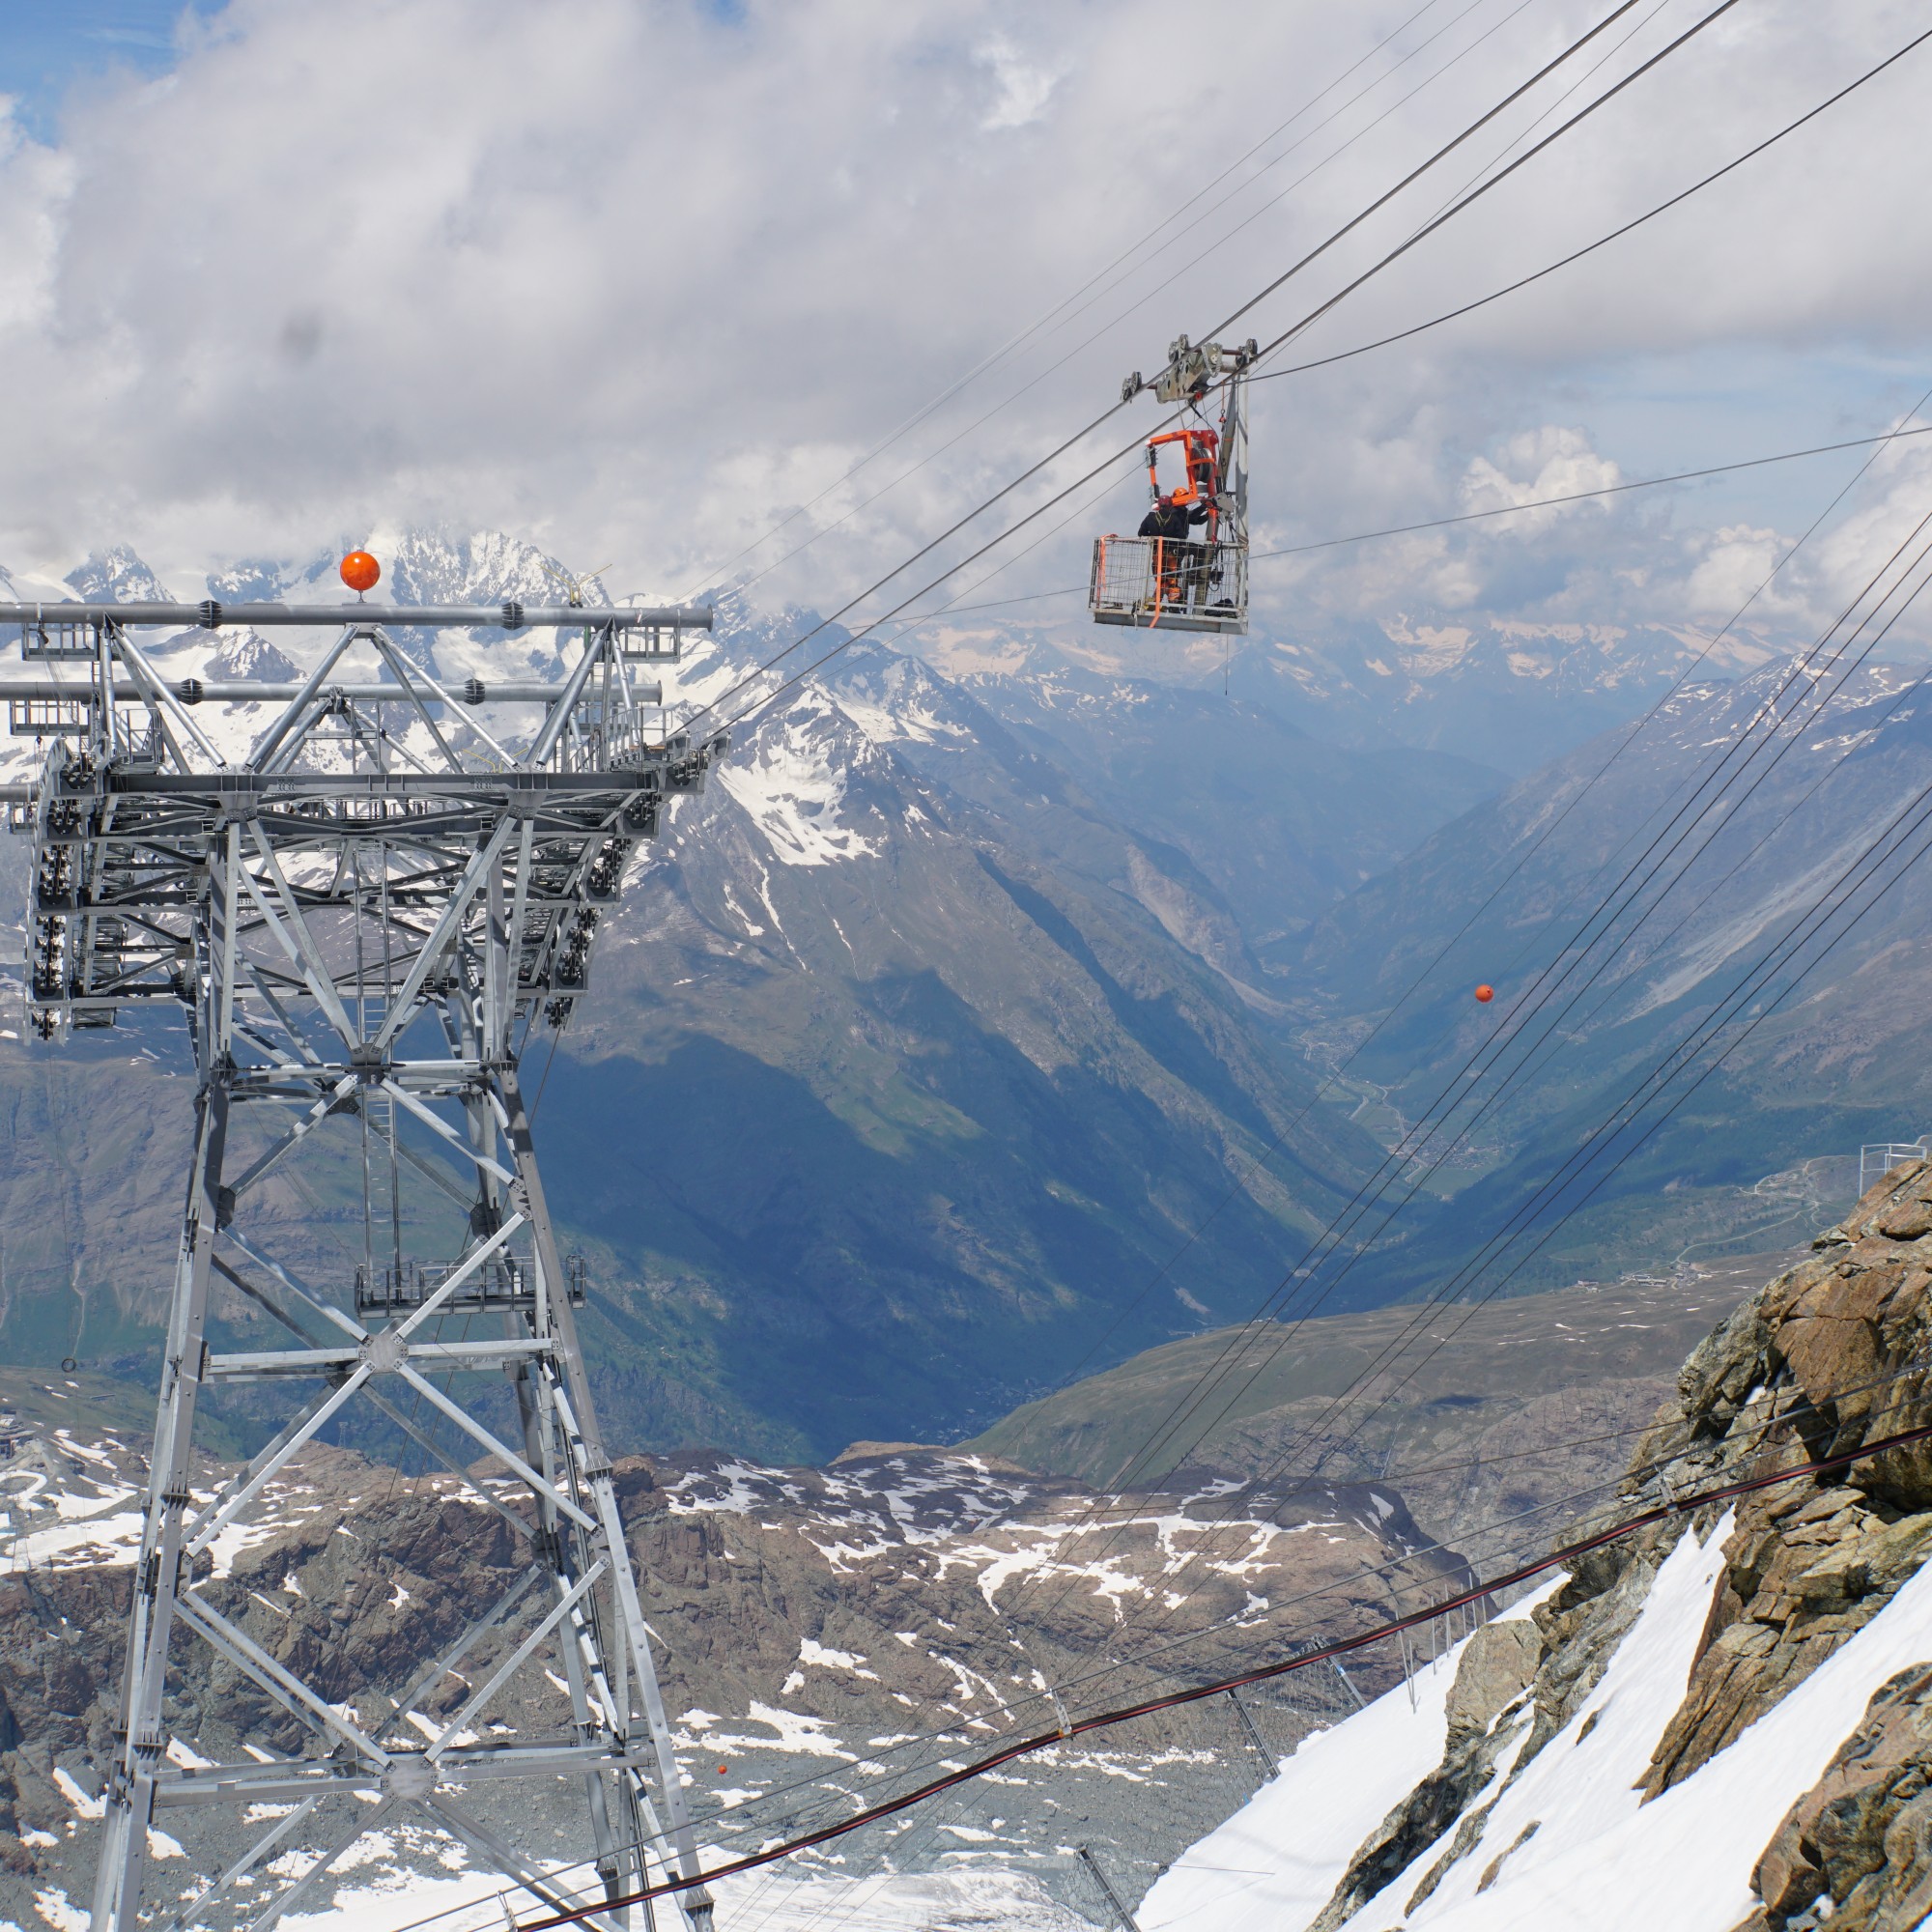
x=1170, y=521
x=1180, y=562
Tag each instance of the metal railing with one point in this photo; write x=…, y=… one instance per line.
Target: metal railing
x=49, y=717
x=1154, y=580
x=1877, y=1159
x=506, y=1284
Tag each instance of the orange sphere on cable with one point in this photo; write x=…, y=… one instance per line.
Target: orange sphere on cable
x=1485, y=994
x=360, y=571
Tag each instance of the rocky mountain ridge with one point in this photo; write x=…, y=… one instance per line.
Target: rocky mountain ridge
x=1487, y=1417
x=823, y=1633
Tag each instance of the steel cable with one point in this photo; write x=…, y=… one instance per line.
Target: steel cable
x=1240, y=1344
x=1640, y=1476
x=1315, y=254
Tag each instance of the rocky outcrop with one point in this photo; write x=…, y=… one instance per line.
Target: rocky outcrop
x=1862, y=1837
x=1833, y=1354
x=903, y=1589
x=1485, y=1716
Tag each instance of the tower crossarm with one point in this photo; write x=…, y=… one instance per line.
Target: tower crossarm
x=133, y=795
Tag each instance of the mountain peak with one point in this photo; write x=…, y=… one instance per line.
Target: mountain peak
x=117, y=576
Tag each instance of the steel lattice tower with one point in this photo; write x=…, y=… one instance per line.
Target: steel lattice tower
x=363, y=917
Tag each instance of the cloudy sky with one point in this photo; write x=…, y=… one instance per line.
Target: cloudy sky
x=644, y=279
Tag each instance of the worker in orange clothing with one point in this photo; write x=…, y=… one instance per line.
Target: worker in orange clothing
x=1178, y=562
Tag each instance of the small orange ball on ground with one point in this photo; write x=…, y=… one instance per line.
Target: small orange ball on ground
x=1485, y=994
x=360, y=571
x=721, y=1771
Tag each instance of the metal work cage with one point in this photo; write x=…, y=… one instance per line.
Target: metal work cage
x=1163, y=584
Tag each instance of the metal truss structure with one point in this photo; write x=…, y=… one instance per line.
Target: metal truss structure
x=364, y=916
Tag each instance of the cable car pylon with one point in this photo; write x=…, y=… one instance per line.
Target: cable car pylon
x=363, y=915
x=1165, y=577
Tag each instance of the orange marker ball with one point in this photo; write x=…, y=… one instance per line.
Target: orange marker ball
x=722, y=1771
x=360, y=571
x=1485, y=994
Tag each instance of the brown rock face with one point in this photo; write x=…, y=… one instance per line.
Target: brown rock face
x=1830, y=1355
x=1486, y=1714
x=1863, y=1836
x=1496, y=1668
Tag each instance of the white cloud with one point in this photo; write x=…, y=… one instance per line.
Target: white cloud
x=1732, y=569
x=1537, y=464
x=1024, y=90
x=639, y=281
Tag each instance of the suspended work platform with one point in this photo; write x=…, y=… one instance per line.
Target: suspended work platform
x=1162, y=584
x=1187, y=569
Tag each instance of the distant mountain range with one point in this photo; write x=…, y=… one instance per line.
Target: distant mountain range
x=1707, y=838
x=922, y=1042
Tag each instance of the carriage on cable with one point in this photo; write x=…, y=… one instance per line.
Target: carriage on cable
x=1187, y=567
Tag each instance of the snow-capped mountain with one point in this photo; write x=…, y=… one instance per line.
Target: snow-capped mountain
x=1505, y=693
x=117, y=576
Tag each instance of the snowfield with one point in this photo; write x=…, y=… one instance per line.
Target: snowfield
x=1574, y=1844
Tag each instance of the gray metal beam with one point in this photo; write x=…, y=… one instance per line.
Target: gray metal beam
x=510, y=616
x=252, y=691
x=332, y=888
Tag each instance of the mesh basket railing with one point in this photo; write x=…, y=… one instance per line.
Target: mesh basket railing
x=1153, y=577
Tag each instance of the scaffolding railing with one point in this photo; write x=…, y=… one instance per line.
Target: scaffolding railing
x=1877, y=1159
x=506, y=1282
x=1170, y=583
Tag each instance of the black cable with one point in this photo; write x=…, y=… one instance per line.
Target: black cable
x=1471, y=516
x=1034, y=381
x=1442, y=153
x=1522, y=859
x=1857, y=873
x=949, y=1736
x=1586, y=495
x=999, y=355
x=1638, y=1477
x=1484, y=188
x=1603, y=241
x=1606, y=97
x=1238, y=1346
x=1487, y=1056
